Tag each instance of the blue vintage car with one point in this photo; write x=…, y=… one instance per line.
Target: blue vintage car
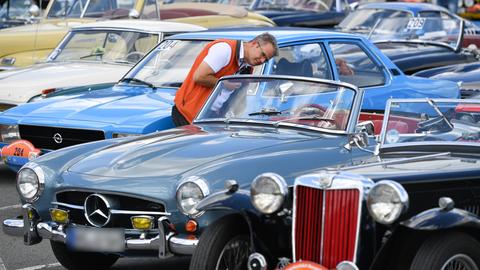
x=141, y=102
x=413, y=205
x=144, y=191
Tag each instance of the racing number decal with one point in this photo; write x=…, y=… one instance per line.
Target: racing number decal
x=18, y=152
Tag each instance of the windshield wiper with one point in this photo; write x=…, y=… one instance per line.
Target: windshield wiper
x=92, y=54
x=138, y=81
x=435, y=107
x=266, y=111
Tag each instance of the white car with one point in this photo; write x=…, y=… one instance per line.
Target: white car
x=95, y=53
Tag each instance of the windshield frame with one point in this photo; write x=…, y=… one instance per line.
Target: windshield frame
x=391, y=146
x=455, y=48
x=352, y=120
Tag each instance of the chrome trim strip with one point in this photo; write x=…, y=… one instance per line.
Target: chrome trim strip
x=323, y=224
x=398, y=161
x=342, y=180
x=131, y=212
x=79, y=207
x=115, y=211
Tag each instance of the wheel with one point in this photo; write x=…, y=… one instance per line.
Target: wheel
x=223, y=245
x=81, y=260
x=455, y=251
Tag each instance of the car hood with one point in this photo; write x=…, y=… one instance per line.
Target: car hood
x=119, y=105
x=43, y=35
x=396, y=50
x=465, y=73
x=18, y=86
x=216, y=152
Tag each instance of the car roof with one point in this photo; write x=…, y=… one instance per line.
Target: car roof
x=412, y=7
x=141, y=26
x=283, y=34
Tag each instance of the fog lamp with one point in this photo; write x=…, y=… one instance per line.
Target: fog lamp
x=142, y=222
x=59, y=215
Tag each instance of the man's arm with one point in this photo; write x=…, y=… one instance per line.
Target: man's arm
x=205, y=75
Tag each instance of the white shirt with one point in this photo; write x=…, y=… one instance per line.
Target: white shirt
x=220, y=56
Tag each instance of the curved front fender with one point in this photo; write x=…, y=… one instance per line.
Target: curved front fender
x=437, y=218
x=223, y=200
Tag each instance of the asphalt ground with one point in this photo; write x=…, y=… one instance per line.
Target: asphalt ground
x=14, y=255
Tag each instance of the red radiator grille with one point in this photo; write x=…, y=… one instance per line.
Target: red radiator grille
x=325, y=234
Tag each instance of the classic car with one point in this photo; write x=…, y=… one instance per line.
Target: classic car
x=138, y=195
x=17, y=12
x=411, y=205
x=302, y=13
x=470, y=9
x=416, y=44
x=141, y=101
x=363, y=19
x=28, y=44
x=93, y=53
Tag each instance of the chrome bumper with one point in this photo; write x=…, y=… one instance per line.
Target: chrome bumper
x=167, y=244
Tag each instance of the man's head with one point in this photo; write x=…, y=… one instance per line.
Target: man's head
x=258, y=50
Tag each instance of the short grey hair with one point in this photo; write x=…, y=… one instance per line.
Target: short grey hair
x=267, y=38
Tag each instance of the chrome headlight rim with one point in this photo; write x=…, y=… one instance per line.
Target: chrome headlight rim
x=40, y=177
x=399, y=191
x=202, y=184
x=279, y=181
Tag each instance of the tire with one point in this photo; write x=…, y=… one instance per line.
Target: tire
x=225, y=244
x=443, y=251
x=81, y=260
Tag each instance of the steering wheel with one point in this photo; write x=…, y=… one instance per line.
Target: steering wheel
x=317, y=3
x=436, y=124
x=134, y=56
x=311, y=109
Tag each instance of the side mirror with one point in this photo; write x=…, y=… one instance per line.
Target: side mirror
x=357, y=139
x=367, y=127
x=34, y=10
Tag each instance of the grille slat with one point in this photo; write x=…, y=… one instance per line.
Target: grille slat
x=336, y=233
x=43, y=137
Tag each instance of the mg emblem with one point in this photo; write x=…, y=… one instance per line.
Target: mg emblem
x=58, y=138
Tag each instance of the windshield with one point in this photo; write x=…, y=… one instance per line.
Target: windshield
x=88, y=8
x=169, y=64
x=17, y=9
x=278, y=101
x=446, y=32
x=365, y=19
x=434, y=120
x=105, y=46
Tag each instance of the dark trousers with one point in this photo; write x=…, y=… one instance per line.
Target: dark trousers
x=178, y=118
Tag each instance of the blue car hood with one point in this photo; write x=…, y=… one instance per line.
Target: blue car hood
x=116, y=105
x=211, y=149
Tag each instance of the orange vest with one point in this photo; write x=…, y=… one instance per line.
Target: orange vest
x=191, y=96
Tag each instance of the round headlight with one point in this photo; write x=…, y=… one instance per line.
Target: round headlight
x=268, y=191
x=30, y=182
x=189, y=193
x=386, y=201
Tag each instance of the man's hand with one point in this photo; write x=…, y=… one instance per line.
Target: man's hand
x=231, y=85
x=343, y=67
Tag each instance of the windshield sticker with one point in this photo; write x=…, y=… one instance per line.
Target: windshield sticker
x=167, y=45
x=416, y=23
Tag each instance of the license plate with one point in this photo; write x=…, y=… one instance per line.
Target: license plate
x=96, y=239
